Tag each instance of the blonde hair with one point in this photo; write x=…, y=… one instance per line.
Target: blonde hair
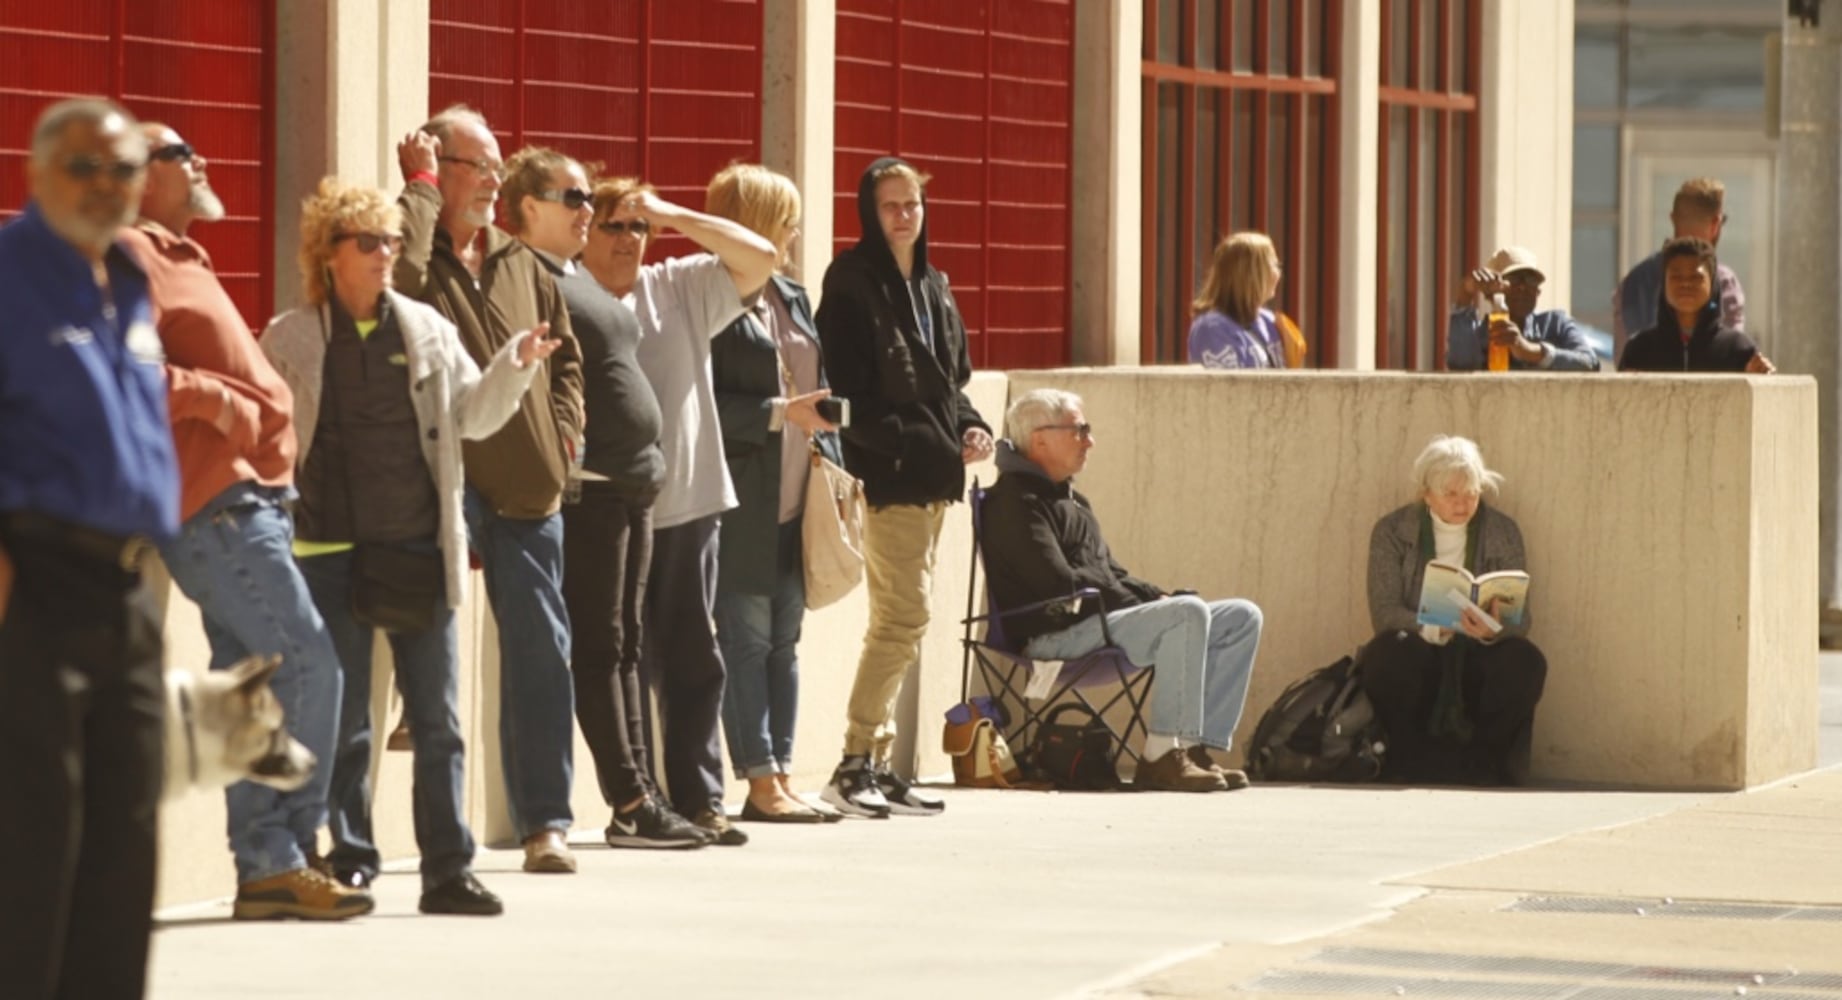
x=1699, y=199
x=751, y=194
x=334, y=209
x=1236, y=283
x=528, y=173
x=1447, y=455
x=611, y=191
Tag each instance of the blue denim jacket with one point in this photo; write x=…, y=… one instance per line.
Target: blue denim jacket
x=1467, y=342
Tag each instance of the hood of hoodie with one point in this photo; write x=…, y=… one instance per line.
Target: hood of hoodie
x=1706, y=323
x=873, y=243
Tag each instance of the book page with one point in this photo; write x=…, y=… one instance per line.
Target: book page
x=1511, y=592
x=1437, y=605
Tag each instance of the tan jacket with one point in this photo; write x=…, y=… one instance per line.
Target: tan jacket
x=521, y=469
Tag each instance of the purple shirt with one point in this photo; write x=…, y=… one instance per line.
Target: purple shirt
x=1217, y=341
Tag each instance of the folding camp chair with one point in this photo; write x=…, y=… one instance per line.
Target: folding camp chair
x=1005, y=671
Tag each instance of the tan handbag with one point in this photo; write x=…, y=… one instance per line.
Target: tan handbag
x=831, y=532
x=981, y=757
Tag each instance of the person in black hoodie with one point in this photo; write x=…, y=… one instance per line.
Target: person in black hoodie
x=1688, y=335
x=895, y=350
x=1042, y=544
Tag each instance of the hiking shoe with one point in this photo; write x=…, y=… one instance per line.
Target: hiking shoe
x=1200, y=756
x=547, y=851
x=462, y=895
x=1176, y=772
x=904, y=798
x=718, y=830
x=853, y=791
x=653, y=824
x=302, y=893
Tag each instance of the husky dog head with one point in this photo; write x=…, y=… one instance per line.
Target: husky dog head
x=226, y=726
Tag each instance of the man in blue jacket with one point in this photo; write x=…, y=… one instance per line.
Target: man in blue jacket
x=87, y=481
x=1541, y=341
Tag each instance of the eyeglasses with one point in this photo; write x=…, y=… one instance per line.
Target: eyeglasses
x=486, y=168
x=1083, y=431
x=178, y=152
x=369, y=242
x=572, y=198
x=638, y=227
x=84, y=168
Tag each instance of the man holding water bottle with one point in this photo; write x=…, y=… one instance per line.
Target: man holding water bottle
x=1494, y=324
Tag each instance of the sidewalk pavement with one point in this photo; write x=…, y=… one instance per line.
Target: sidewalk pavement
x=1270, y=891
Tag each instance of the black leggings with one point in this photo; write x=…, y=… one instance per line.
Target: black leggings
x=1501, y=683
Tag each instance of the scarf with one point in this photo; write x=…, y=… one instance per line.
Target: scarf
x=1448, y=718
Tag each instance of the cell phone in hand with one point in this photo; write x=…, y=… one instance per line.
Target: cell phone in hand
x=834, y=410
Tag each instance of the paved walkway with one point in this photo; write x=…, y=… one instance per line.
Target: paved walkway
x=1045, y=895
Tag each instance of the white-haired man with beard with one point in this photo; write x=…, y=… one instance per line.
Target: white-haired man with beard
x=233, y=429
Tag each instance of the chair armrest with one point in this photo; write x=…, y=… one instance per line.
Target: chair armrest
x=1079, y=595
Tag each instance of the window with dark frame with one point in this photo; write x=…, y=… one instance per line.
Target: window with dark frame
x=1427, y=175
x=1240, y=133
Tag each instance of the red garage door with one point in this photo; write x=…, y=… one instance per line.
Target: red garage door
x=670, y=91
x=204, y=67
x=980, y=95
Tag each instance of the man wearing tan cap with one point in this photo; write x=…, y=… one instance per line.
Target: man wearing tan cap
x=1550, y=340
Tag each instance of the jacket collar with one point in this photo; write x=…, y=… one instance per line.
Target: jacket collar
x=1012, y=462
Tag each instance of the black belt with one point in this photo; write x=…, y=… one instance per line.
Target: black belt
x=29, y=526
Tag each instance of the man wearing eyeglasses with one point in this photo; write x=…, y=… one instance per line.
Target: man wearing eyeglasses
x=87, y=477
x=233, y=428
x=492, y=286
x=1042, y=543
x=1550, y=340
x=1699, y=211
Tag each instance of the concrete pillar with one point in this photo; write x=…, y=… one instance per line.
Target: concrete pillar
x=1525, y=162
x=1108, y=182
x=798, y=94
x=351, y=78
x=1359, y=102
x=1809, y=255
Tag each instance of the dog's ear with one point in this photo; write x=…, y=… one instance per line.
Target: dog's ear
x=251, y=673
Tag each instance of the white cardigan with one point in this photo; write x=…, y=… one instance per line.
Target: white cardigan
x=452, y=399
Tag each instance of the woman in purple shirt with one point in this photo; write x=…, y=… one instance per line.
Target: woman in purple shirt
x=1232, y=328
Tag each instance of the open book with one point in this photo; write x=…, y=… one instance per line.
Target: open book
x=1447, y=589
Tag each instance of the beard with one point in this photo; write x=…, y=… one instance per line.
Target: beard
x=477, y=216
x=204, y=203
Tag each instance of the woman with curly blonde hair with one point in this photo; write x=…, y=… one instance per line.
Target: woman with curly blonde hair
x=384, y=393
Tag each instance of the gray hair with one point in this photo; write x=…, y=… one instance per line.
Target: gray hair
x=442, y=125
x=1037, y=409
x=55, y=119
x=1446, y=456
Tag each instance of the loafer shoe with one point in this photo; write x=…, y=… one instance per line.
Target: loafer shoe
x=546, y=851
x=1200, y=756
x=1176, y=772
x=304, y=894
x=462, y=895
x=802, y=814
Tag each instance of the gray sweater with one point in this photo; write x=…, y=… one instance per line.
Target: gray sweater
x=1395, y=565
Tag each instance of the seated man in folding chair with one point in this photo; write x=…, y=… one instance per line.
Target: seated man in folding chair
x=1042, y=541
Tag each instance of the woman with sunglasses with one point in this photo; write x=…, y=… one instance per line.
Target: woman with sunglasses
x=681, y=303
x=607, y=510
x=384, y=393
x=770, y=381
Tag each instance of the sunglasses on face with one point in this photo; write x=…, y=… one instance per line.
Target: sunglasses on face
x=178, y=152
x=638, y=227
x=1083, y=431
x=85, y=168
x=485, y=168
x=571, y=198
x=369, y=242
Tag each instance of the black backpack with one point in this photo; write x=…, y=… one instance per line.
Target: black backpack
x=1321, y=729
x=1076, y=757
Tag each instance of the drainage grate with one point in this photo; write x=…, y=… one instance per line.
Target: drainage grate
x=1361, y=971
x=1647, y=993
x=1670, y=908
x=1412, y=986
x=1440, y=961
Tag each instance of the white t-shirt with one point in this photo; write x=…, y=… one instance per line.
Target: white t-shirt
x=681, y=304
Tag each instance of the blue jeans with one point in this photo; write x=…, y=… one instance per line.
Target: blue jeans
x=234, y=559
x=1203, y=652
x=537, y=710
x=427, y=672
x=759, y=636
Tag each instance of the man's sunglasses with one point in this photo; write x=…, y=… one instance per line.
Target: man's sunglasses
x=178, y=152
x=485, y=168
x=572, y=198
x=1083, y=431
x=84, y=168
x=638, y=227
x=369, y=242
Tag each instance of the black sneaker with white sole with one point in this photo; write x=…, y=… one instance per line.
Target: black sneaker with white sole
x=652, y=824
x=904, y=798
x=853, y=790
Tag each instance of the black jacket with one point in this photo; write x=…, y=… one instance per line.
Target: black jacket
x=909, y=410
x=745, y=373
x=1040, y=540
x=1710, y=348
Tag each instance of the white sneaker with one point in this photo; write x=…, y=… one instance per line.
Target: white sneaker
x=906, y=799
x=853, y=789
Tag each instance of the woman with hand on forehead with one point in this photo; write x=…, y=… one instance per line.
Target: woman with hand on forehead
x=681, y=304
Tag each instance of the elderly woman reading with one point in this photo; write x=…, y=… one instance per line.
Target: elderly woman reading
x=1458, y=705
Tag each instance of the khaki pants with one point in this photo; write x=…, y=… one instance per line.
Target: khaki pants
x=899, y=543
